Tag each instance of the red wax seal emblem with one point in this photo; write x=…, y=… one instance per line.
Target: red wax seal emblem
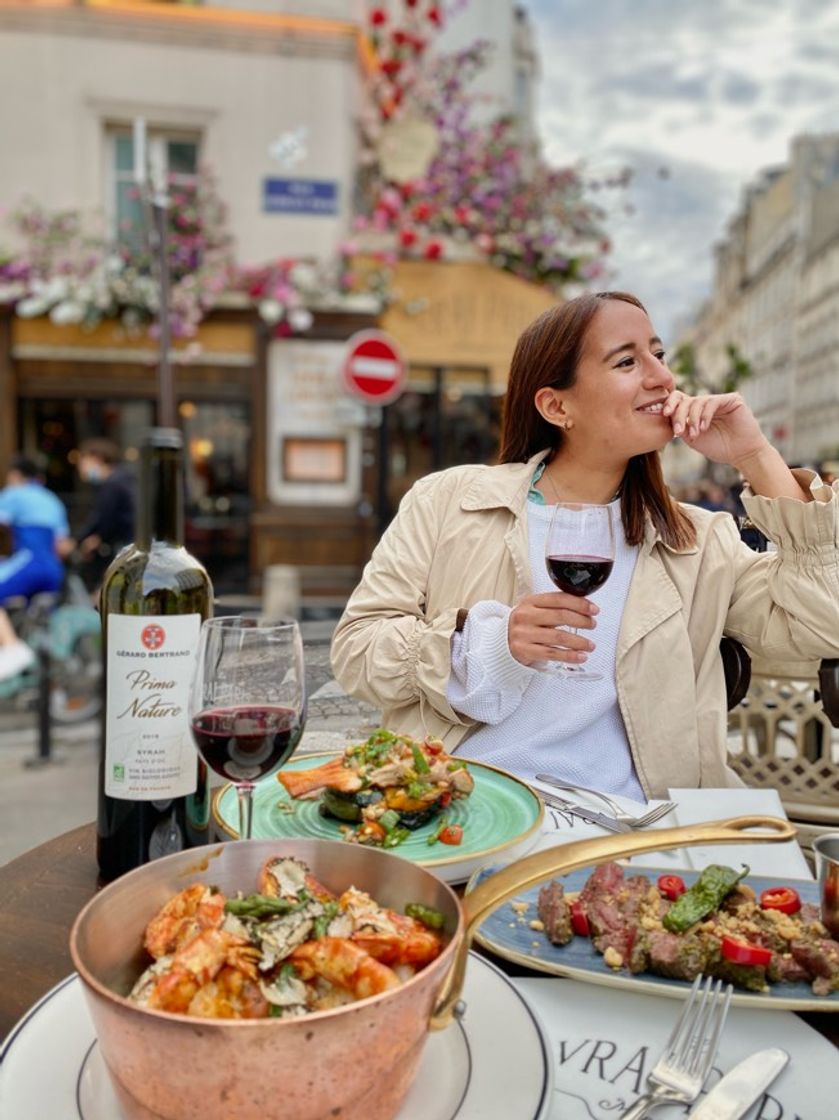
x=153, y=636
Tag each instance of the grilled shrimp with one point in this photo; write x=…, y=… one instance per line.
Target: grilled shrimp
x=192, y=910
x=199, y=962
x=394, y=939
x=409, y=942
x=285, y=877
x=344, y=965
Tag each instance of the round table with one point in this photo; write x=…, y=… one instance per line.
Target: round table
x=41, y=893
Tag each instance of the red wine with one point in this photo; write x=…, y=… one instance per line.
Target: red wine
x=579, y=575
x=153, y=787
x=245, y=743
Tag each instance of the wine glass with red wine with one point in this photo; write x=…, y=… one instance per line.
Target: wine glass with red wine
x=247, y=705
x=579, y=554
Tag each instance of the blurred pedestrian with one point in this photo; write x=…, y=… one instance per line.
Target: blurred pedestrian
x=711, y=496
x=37, y=520
x=110, y=525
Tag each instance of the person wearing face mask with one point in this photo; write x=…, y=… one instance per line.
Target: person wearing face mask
x=455, y=616
x=110, y=525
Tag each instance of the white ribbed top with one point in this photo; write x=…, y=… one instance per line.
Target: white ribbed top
x=535, y=721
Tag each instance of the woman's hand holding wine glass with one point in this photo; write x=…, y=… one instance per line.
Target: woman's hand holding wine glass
x=248, y=701
x=579, y=555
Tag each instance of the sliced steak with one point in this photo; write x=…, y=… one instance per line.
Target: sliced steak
x=820, y=960
x=555, y=913
x=681, y=956
x=784, y=968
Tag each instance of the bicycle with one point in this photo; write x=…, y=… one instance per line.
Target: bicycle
x=64, y=629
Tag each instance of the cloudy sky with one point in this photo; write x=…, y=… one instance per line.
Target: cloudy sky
x=697, y=96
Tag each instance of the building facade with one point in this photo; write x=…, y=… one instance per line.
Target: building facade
x=283, y=467
x=775, y=296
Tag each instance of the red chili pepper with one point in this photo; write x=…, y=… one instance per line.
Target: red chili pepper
x=784, y=899
x=743, y=952
x=671, y=886
x=579, y=921
x=451, y=834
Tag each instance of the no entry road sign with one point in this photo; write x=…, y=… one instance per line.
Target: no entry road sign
x=374, y=369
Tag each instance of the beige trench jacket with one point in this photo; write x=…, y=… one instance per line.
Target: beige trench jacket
x=460, y=536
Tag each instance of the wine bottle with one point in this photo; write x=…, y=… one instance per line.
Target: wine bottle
x=153, y=786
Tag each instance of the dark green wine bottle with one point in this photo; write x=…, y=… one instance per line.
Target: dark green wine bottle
x=153, y=787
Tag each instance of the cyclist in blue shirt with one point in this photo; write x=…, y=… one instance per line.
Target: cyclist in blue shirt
x=38, y=521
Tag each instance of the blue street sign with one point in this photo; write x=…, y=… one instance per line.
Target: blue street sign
x=299, y=196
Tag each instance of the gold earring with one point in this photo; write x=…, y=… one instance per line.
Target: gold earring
x=567, y=425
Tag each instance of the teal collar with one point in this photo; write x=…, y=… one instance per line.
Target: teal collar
x=534, y=495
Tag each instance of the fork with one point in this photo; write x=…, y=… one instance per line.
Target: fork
x=612, y=824
x=680, y=1072
x=641, y=821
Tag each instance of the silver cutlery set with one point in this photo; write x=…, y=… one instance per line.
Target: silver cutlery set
x=615, y=820
x=688, y=1057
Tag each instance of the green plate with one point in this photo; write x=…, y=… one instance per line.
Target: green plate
x=502, y=816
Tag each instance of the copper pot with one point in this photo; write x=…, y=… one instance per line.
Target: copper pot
x=356, y=1062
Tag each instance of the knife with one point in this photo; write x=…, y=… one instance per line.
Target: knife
x=735, y=1093
x=589, y=815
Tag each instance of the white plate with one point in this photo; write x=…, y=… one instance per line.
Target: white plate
x=52, y=1068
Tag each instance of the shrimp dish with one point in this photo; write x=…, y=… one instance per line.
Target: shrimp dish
x=288, y=950
x=388, y=786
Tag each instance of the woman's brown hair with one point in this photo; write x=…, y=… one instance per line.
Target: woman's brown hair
x=547, y=353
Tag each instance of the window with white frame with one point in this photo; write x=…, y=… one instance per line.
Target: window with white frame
x=172, y=156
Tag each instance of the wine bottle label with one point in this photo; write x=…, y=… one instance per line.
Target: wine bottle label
x=149, y=752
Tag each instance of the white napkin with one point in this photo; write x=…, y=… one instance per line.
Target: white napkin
x=693, y=806
x=604, y=1041
x=777, y=861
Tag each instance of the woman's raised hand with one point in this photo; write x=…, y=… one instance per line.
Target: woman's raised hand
x=720, y=426
x=533, y=634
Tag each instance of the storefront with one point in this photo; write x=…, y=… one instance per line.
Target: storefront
x=457, y=324
x=63, y=384
x=283, y=465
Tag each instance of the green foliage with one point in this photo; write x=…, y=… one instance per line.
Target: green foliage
x=689, y=376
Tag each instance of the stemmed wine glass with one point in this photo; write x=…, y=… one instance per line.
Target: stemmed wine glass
x=579, y=554
x=247, y=707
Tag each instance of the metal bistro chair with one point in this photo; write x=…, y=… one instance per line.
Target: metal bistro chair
x=781, y=724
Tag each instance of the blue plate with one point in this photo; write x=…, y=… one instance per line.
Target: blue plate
x=507, y=933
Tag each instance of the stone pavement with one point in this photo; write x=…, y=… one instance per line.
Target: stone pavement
x=40, y=802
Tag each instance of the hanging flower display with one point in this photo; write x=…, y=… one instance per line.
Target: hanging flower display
x=445, y=187
x=73, y=273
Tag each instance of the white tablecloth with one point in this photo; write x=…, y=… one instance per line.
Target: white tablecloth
x=605, y=1041
x=781, y=861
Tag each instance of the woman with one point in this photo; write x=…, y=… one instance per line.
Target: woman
x=455, y=611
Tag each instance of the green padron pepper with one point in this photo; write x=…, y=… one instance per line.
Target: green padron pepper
x=705, y=896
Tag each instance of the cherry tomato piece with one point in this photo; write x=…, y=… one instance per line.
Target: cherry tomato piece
x=579, y=921
x=671, y=886
x=784, y=899
x=451, y=834
x=371, y=830
x=743, y=952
